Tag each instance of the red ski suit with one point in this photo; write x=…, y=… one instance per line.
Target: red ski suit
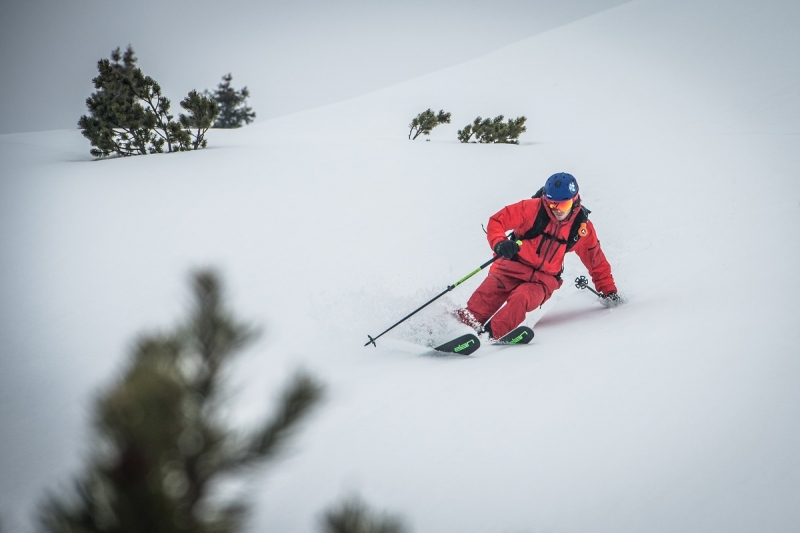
x=527, y=280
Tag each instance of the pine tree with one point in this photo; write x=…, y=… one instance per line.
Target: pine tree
x=493, y=130
x=233, y=110
x=129, y=115
x=516, y=127
x=164, y=131
x=115, y=123
x=202, y=112
x=161, y=441
x=426, y=121
x=476, y=128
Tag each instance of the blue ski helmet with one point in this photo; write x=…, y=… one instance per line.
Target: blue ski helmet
x=561, y=186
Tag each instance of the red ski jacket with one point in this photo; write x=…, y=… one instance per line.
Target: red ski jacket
x=546, y=251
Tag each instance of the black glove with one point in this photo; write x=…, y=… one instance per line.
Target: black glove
x=507, y=249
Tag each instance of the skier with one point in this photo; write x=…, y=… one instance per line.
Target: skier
x=549, y=225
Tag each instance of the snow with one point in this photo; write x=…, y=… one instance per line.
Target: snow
x=675, y=412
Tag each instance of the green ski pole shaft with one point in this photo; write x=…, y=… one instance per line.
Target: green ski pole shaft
x=426, y=304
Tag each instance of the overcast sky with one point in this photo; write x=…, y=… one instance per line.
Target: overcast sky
x=291, y=55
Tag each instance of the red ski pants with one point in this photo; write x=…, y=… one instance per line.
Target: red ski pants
x=521, y=287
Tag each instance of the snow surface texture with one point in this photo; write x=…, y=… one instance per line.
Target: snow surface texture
x=675, y=412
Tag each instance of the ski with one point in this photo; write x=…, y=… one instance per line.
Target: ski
x=520, y=335
x=468, y=344
x=463, y=345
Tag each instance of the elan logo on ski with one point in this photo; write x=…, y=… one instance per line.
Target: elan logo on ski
x=469, y=343
x=521, y=335
x=463, y=345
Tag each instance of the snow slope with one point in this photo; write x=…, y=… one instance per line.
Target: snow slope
x=676, y=412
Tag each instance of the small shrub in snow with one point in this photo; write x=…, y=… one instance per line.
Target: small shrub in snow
x=128, y=114
x=493, y=130
x=233, y=110
x=426, y=121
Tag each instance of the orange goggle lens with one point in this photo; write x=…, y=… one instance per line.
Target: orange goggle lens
x=562, y=205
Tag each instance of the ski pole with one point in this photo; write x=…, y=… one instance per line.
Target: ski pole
x=582, y=283
x=423, y=306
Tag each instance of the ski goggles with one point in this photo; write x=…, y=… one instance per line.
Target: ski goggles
x=560, y=205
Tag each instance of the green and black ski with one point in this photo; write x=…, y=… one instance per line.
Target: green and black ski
x=469, y=343
x=520, y=335
x=463, y=345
